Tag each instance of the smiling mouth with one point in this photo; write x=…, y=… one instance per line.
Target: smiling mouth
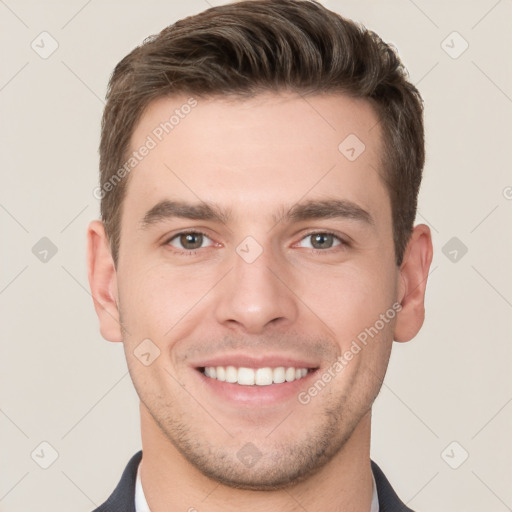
x=264, y=376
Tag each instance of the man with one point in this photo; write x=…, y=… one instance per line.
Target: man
x=260, y=166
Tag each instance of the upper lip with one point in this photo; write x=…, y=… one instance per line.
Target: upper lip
x=250, y=361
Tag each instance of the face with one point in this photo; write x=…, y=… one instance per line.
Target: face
x=255, y=251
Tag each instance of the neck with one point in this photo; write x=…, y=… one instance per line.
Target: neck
x=170, y=482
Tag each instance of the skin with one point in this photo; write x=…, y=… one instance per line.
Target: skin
x=257, y=157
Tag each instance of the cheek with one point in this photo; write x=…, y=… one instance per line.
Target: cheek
x=145, y=305
x=156, y=300
x=351, y=298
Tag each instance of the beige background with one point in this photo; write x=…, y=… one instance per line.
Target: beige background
x=62, y=384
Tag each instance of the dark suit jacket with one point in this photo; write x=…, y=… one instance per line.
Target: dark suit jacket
x=123, y=497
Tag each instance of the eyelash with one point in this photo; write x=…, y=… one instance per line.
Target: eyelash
x=343, y=243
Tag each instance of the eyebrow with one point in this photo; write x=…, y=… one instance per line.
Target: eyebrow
x=307, y=210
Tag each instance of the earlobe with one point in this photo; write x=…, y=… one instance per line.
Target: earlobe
x=413, y=281
x=103, y=281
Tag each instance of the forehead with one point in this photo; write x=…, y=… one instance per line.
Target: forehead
x=257, y=153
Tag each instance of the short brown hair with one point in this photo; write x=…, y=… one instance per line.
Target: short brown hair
x=254, y=46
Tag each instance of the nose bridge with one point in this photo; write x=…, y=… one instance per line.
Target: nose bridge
x=254, y=294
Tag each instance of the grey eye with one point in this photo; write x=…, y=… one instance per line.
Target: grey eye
x=322, y=240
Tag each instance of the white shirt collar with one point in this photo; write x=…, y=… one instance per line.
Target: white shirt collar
x=375, y=498
x=141, y=505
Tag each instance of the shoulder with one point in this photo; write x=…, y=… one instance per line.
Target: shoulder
x=123, y=496
x=388, y=499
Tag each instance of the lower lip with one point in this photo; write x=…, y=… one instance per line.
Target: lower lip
x=256, y=395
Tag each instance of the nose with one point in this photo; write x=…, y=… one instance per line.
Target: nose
x=256, y=295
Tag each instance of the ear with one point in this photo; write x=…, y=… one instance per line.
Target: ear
x=413, y=276
x=103, y=281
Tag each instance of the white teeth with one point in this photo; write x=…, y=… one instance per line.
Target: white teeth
x=259, y=376
x=279, y=375
x=221, y=373
x=263, y=377
x=246, y=376
x=231, y=374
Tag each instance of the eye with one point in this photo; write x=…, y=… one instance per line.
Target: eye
x=188, y=240
x=323, y=240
